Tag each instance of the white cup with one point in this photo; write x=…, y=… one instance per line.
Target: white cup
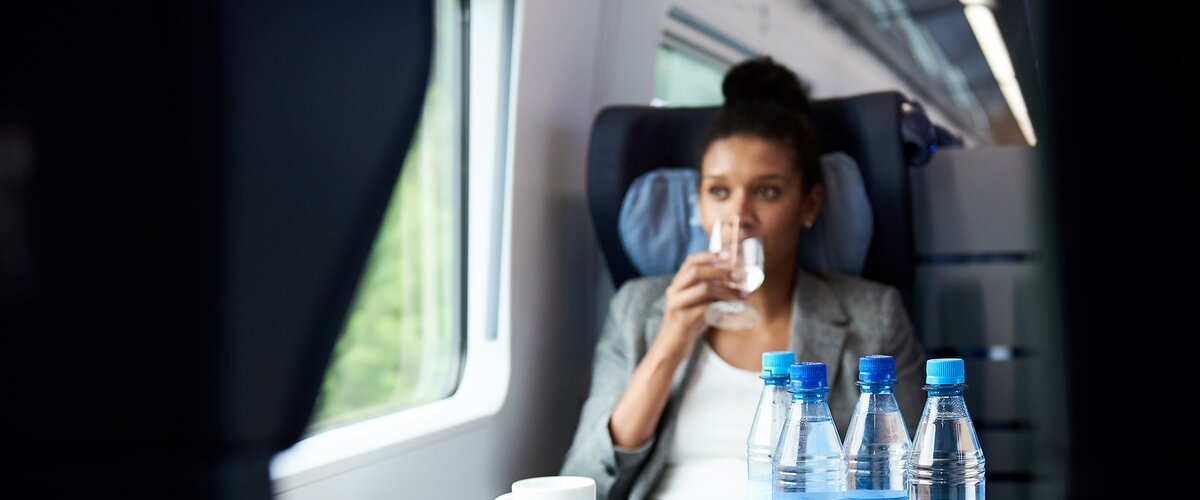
x=553, y=488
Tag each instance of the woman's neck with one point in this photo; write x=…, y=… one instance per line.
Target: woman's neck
x=773, y=301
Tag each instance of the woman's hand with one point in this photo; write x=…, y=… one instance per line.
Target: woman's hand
x=702, y=279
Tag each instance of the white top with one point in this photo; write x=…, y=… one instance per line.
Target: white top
x=707, y=458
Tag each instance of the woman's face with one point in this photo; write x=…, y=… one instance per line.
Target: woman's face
x=757, y=179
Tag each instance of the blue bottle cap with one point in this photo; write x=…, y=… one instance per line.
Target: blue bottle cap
x=776, y=363
x=807, y=375
x=876, y=368
x=944, y=371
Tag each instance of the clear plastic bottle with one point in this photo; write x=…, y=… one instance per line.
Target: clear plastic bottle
x=772, y=410
x=808, y=463
x=877, y=441
x=946, y=461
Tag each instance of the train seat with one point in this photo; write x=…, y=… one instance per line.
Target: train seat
x=641, y=176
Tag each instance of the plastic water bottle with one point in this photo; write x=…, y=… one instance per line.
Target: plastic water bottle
x=946, y=461
x=768, y=422
x=809, y=463
x=877, y=441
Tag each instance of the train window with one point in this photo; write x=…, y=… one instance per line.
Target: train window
x=402, y=343
x=425, y=352
x=685, y=77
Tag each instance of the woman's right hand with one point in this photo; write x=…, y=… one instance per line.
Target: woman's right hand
x=701, y=280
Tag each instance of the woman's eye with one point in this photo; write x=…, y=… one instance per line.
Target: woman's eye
x=767, y=192
x=718, y=191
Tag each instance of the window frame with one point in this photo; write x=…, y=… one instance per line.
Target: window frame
x=689, y=34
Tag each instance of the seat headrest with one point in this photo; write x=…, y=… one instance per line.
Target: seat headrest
x=659, y=221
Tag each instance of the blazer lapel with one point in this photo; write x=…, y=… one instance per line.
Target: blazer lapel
x=818, y=327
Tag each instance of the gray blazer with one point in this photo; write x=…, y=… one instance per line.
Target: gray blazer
x=835, y=320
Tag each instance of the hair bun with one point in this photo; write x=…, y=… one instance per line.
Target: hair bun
x=763, y=80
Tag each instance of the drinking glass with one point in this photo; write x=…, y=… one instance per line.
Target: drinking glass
x=744, y=253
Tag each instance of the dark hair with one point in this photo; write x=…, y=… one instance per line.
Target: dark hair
x=765, y=99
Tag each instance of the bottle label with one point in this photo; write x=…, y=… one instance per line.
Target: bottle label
x=808, y=495
x=877, y=495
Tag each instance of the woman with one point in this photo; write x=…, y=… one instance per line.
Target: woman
x=672, y=398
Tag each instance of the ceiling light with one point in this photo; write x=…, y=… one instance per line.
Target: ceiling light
x=983, y=23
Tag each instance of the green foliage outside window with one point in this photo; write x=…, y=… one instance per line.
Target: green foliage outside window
x=401, y=345
x=681, y=79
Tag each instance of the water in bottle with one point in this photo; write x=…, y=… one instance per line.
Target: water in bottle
x=877, y=441
x=772, y=411
x=808, y=463
x=946, y=461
